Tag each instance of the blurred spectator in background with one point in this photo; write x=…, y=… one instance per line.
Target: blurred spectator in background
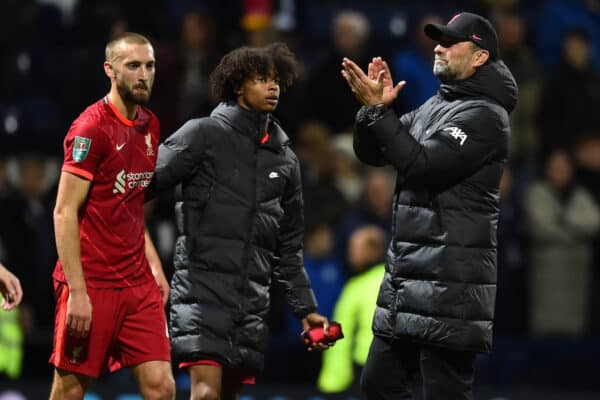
x=66, y=8
x=327, y=96
x=92, y=27
x=354, y=310
x=562, y=219
x=186, y=62
x=325, y=272
x=587, y=159
x=141, y=15
x=16, y=241
x=4, y=182
x=346, y=168
x=321, y=196
x=196, y=60
x=510, y=316
x=373, y=208
x=37, y=204
x=261, y=36
x=413, y=64
x=553, y=18
x=16, y=21
x=569, y=104
x=313, y=146
x=6, y=194
x=30, y=74
x=518, y=57
x=11, y=292
x=494, y=8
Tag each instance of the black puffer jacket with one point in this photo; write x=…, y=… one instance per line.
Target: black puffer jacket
x=241, y=225
x=440, y=282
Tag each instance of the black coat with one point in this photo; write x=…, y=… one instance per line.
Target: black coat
x=240, y=225
x=440, y=282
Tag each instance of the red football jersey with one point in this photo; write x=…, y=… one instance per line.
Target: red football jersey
x=118, y=156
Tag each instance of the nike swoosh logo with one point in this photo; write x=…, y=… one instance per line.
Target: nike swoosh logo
x=120, y=146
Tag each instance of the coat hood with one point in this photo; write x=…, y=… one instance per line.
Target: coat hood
x=493, y=80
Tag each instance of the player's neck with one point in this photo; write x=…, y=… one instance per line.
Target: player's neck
x=127, y=109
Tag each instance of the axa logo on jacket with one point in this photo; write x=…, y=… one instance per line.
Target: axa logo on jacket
x=457, y=134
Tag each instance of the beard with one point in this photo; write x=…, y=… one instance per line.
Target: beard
x=128, y=94
x=443, y=72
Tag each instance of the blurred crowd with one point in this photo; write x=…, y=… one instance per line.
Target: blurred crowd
x=549, y=229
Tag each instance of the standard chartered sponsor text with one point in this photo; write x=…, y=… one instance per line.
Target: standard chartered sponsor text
x=132, y=179
x=139, y=179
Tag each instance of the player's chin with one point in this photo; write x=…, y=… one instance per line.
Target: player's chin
x=141, y=98
x=269, y=106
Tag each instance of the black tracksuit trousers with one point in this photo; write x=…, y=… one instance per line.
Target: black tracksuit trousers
x=392, y=367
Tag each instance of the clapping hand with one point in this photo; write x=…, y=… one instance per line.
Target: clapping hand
x=375, y=87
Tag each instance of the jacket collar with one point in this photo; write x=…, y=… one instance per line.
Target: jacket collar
x=493, y=81
x=253, y=124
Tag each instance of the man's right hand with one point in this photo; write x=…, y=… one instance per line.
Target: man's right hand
x=79, y=313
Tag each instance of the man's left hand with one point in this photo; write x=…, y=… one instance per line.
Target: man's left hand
x=313, y=320
x=375, y=88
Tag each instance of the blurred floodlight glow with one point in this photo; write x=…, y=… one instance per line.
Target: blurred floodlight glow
x=23, y=63
x=398, y=26
x=11, y=123
x=12, y=395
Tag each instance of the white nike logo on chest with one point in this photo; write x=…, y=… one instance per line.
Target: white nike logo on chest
x=120, y=146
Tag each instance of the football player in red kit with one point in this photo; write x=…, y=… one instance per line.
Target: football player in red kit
x=109, y=283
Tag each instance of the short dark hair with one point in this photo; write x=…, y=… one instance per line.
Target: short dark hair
x=245, y=62
x=111, y=53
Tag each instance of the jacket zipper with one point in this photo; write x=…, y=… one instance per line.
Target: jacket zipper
x=244, y=272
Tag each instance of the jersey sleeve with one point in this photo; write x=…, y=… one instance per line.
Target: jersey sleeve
x=85, y=147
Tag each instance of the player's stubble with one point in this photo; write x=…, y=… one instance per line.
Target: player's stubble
x=128, y=94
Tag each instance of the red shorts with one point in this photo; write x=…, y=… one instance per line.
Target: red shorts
x=128, y=328
x=229, y=374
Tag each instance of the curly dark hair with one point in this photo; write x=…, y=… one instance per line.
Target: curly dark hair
x=246, y=62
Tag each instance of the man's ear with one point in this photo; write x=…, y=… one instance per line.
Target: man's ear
x=108, y=69
x=481, y=57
